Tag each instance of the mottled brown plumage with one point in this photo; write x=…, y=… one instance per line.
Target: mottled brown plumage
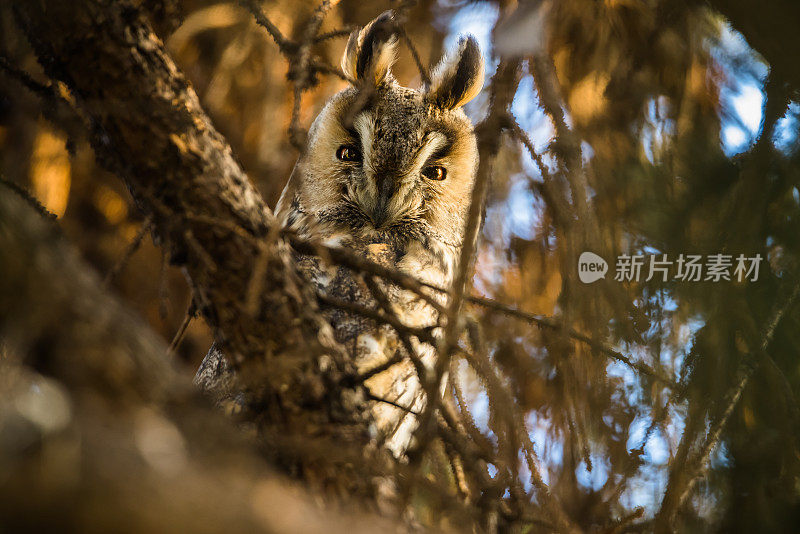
x=388, y=172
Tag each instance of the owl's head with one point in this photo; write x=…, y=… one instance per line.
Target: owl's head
x=385, y=161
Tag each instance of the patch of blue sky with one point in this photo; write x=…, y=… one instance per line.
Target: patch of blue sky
x=688, y=330
x=658, y=128
x=741, y=124
x=785, y=136
x=637, y=431
x=524, y=209
x=669, y=303
x=647, y=486
x=650, y=250
x=587, y=152
x=478, y=20
x=675, y=424
x=474, y=395
x=547, y=446
x=720, y=456
x=597, y=476
x=491, y=263
x=685, y=335
x=669, y=356
x=677, y=340
x=516, y=215
x=645, y=489
x=480, y=410
x=527, y=110
x=492, y=469
x=525, y=473
x=648, y=144
x=656, y=450
x=630, y=380
x=742, y=91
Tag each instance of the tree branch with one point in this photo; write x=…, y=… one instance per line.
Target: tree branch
x=149, y=128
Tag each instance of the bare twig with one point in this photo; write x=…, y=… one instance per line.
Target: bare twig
x=286, y=46
x=191, y=311
x=423, y=334
x=303, y=65
x=333, y=34
x=29, y=198
x=129, y=251
x=552, y=190
x=544, y=76
x=376, y=398
x=423, y=72
x=45, y=91
x=549, y=322
x=622, y=524
x=378, y=369
x=322, y=67
x=516, y=428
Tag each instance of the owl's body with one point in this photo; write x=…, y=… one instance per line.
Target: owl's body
x=387, y=173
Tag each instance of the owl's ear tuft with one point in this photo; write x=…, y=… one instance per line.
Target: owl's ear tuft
x=458, y=77
x=370, y=52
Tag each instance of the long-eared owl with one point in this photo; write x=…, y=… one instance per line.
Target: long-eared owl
x=388, y=173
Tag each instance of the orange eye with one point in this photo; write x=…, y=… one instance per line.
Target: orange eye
x=435, y=172
x=348, y=153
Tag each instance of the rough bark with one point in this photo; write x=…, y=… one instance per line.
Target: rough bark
x=148, y=127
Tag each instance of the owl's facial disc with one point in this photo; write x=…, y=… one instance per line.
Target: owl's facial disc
x=393, y=167
x=387, y=162
x=400, y=161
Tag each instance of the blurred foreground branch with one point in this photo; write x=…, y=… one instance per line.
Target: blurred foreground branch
x=100, y=430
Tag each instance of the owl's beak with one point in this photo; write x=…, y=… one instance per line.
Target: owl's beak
x=380, y=214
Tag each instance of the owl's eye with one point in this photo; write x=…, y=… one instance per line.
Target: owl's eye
x=348, y=153
x=435, y=172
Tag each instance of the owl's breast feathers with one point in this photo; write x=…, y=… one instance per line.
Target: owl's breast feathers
x=369, y=343
x=411, y=246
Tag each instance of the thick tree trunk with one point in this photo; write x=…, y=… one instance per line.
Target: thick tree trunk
x=147, y=126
